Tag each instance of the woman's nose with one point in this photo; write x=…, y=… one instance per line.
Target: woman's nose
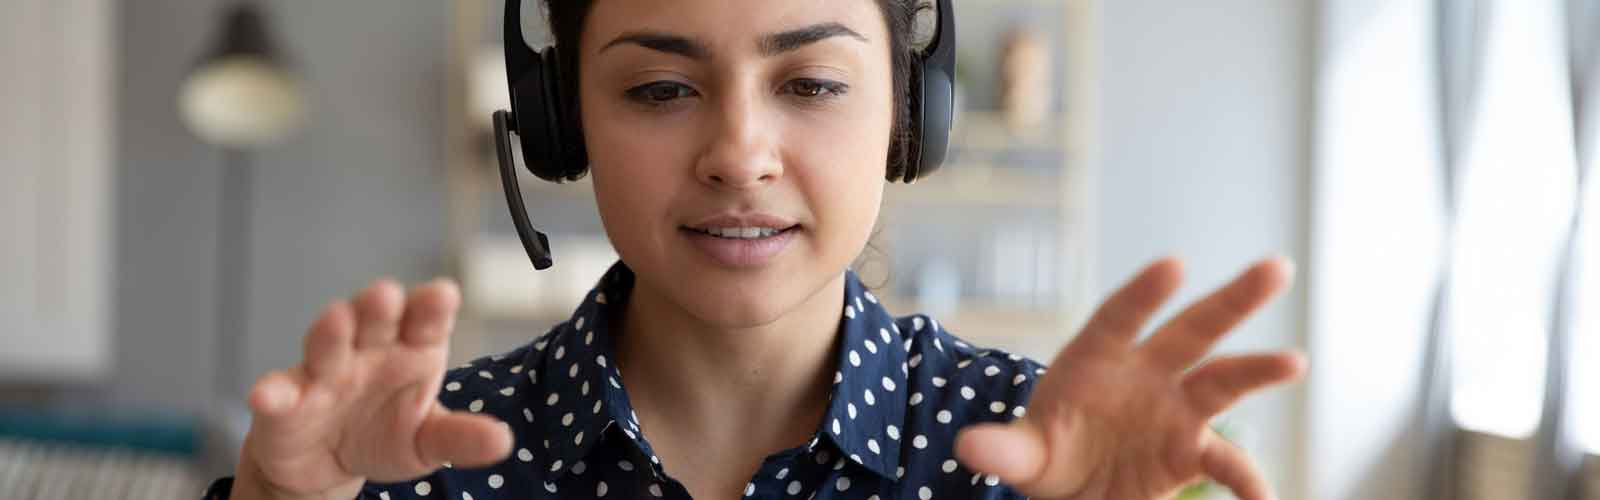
x=742, y=152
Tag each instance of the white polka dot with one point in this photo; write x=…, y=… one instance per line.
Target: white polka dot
x=539, y=346
x=997, y=407
x=851, y=409
x=475, y=405
x=967, y=392
x=588, y=338
x=614, y=383
x=1017, y=380
x=899, y=472
x=838, y=464
x=749, y=489
x=453, y=386
x=870, y=297
x=838, y=377
x=573, y=372
x=579, y=467
x=561, y=351
x=872, y=444
x=855, y=359
x=849, y=312
x=566, y=420
x=508, y=391
x=578, y=439
x=964, y=345
x=600, y=360
x=596, y=407
x=867, y=395
x=991, y=479
x=794, y=488
x=943, y=417
x=1019, y=411
x=383, y=495
x=599, y=298
x=916, y=359
x=550, y=487
x=842, y=484
x=495, y=481
x=894, y=432
x=556, y=465
x=858, y=304
x=551, y=401
x=1038, y=371
x=888, y=385
x=524, y=455
x=485, y=374
x=782, y=473
x=963, y=363
x=938, y=345
x=949, y=465
x=527, y=415
x=916, y=323
x=991, y=370
x=600, y=489
x=938, y=381
x=924, y=493
x=516, y=369
x=533, y=377
x=883, y=333
x=872, y=347
x=625, y=465
x=655, y=489
x=919, y=442
x=836, y=429
x=423, y=488
x=579, y=325
x=585, y=390
x=916, y=397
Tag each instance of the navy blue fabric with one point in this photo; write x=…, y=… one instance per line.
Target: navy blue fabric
x=902, y=389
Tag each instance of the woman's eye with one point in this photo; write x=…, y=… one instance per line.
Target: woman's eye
x=812, y=88
x=657, y=93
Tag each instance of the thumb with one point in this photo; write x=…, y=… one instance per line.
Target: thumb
x=1014, y=452
x=463, y=439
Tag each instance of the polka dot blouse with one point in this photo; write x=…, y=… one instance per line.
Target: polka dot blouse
x=902, y=389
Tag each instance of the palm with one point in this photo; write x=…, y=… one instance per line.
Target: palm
x=363, y=403
x=1113, y=419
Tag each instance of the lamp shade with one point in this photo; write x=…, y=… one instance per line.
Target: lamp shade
x=242, y=95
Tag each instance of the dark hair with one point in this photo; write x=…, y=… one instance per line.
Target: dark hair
x=567, y=19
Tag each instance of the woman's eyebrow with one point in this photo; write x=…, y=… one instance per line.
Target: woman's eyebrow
x=778, y=43
x=770, y=45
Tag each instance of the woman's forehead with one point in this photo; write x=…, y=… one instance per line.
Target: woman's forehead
x=733, y=25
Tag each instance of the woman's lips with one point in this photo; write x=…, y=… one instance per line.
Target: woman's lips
x=738, y=252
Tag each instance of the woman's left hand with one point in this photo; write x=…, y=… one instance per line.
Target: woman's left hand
x=1116, y=419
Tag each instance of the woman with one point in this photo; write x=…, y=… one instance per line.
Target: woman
x=738, y=151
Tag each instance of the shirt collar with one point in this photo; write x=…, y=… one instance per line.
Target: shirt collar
x=584, y=392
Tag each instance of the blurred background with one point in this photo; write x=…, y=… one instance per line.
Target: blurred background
x=185, y=183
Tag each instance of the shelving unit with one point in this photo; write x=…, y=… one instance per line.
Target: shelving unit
x=998, y=182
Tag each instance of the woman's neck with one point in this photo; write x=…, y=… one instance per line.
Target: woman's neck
x=766, y=384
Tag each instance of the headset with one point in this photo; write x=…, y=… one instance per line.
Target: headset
x=552, y=142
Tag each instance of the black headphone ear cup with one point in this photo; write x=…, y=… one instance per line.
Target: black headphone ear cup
x=563, y=123
x=932, y=100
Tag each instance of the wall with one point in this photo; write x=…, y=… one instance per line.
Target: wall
x=1205, y=121
x=355, y=195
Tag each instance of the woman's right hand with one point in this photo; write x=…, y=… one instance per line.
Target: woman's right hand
x=362, y=405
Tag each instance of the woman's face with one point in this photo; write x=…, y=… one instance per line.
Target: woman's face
x=741, y=118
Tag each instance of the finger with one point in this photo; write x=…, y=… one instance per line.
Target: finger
x=1229, y=465
x=1185, y=339
x=430, y=313
x=1217, y=385
x=1018, y=453
x=328, y=344
x=275, y=394
x=1117, y=322
x=378, y=310
x=463, y=439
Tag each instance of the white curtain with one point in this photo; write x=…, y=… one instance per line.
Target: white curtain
x=56, y=123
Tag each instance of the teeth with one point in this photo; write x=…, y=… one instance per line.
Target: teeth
x=745, y=233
